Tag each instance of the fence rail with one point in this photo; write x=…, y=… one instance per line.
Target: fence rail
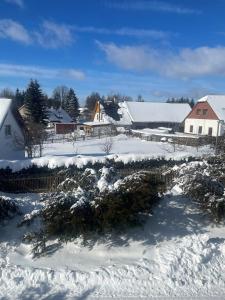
x=49, y=183
x=31, y=184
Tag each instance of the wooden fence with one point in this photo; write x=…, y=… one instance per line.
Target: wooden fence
x=49, y=183
x=39, y=184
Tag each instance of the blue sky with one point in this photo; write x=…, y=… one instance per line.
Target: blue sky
x=158, y=49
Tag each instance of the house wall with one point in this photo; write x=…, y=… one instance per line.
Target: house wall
x=206, y=120
x=197, y=112
x=99, y=117
x=61, y=128
x=9, y=149
x=98, y=113
x=152, y=125
x=205, y=123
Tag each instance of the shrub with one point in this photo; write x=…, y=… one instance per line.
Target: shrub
x=81, y=211
x=204, y=183
x=8, y=208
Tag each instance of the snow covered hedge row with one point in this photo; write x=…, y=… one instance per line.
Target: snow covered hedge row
x=204, y=182
x=98, y=202
x=133, y=164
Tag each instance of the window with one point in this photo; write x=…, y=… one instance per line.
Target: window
x=191, y=128
x=204, y=112
x=8, y=131
x=198, y=111
x=200, y=130
x=210, y=131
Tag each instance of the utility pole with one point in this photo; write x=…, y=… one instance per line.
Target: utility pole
x=217, y=135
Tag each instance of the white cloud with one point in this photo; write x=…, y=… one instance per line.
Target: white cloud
x=187, y=63
x=10, y=29
x=50, y=34
x=53, y=35
x=19, y=3
x=39, y=72
x=160, y=6
x=124, y=31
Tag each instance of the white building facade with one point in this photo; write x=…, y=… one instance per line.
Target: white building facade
x=11, y=135
x=207, y=117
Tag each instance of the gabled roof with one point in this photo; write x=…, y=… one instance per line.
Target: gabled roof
x=147, y=112
x=5, y=105
x=125, y=118
x=217, y=102
x=59, y=115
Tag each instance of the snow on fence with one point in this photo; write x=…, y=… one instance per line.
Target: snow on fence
x=49, y=183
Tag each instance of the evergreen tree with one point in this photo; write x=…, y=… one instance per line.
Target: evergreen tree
x=181, y=100
x=35, y=103
x=140, y=98
x=65, y=103
x=72, y=105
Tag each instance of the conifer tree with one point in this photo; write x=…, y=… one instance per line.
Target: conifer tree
x=36, y=108
x=72, y=105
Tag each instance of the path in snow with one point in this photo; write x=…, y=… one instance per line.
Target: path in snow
x=178, y=253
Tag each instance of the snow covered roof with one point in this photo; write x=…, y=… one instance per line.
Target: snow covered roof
x=97, y=123
x=146, y=112
x=217, y=102
x=59, y=115
x=4, y=108
x=125, y=118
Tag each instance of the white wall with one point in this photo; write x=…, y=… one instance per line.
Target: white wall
x=8, y=148
x=99, y=117
x=205, y=126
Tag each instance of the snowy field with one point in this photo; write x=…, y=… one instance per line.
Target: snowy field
x=124, y=149
x=179, y=253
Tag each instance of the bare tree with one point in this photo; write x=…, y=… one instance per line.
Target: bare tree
x=60, y=93
x=33, y=139
x=7, y=93
x=107, y=145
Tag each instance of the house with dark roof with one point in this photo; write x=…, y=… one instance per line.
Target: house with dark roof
x=207, y=117
x=11, y=133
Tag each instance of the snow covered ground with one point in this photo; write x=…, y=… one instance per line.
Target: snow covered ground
x=124, y=149
x=178, y=253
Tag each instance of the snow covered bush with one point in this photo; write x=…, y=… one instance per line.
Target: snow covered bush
x=98, y=202
x=8, y=208
x=204, y=182
x=122, y=207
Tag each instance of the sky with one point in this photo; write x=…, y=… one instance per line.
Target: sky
x=158, y=49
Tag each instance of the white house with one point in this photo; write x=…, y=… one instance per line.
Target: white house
x=157, y=114
x=10, y=131
x=120, y=119
x=207, y=116
x=139, y=115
